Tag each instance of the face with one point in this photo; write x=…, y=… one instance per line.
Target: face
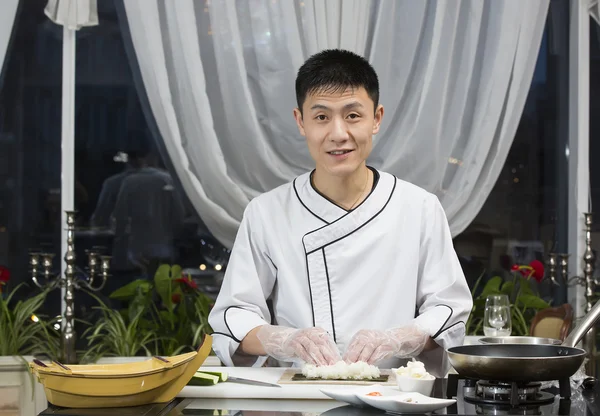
x=339, y=129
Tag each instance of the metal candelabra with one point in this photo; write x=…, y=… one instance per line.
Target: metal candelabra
x=564, y=266
x=589, y=259
x=588, y=282
x=558, y=264
x=98, y=266
x=552, y=263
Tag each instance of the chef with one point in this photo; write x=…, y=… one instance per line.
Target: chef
x=346, y=261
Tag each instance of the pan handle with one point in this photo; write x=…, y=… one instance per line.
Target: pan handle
x=584, y=326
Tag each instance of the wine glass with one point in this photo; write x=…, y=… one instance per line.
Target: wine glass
x=496, y=317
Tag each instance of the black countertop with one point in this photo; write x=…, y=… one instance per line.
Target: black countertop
x=583, y=402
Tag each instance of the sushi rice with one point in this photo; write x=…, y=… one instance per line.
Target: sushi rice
x=342, y=371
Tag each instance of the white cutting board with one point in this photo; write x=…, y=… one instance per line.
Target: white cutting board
x=227, y=390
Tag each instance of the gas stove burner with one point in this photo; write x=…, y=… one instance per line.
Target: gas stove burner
x=483, y=409
x=502, y=391
x=511, y=394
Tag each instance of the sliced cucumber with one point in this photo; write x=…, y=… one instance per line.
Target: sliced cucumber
x=222, y=376
x=203, y=379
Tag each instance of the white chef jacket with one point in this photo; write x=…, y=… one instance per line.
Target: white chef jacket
x=387, y=263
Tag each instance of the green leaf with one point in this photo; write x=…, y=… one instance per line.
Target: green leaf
x=532, y=301
x=491, y=287
x=167, y=317
x=163, y=284
x=507, y=288
x=526, y=286
x=130, y=290
x=176, y=271
x=138, y=305
x=478, y=282
x=520, y=326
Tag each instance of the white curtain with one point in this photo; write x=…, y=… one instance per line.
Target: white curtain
x=73, y=14
x=219, y=75
x=594, y=6
x=8, y=11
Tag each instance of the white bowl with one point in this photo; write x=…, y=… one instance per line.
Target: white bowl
x=417, y=385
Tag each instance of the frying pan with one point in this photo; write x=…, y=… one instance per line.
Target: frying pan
x=524, y=362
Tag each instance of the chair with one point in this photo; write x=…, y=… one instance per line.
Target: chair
x=552, y=322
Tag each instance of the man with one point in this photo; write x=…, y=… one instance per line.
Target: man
x=358, y=264
x=148, y=216
x=137, y=158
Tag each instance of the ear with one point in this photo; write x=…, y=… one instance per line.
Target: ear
x=377, y=119
x=299, y=121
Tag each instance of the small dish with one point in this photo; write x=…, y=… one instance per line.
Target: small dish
x=406, y=402
x=409, y=384
x=349, y=394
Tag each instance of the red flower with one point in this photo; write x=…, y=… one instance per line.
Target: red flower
x=188, y=282
x=176, y=297
x=4, y=274
x=538, y=270
x=535, y=269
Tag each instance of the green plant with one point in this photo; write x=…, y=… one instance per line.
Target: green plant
x=116, y=336
x=166, y=316
x=24, y=331
x=525, y=303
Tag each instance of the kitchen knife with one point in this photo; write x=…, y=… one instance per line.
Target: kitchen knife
x=251, y=382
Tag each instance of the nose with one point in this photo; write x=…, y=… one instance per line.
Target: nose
x=339, y=130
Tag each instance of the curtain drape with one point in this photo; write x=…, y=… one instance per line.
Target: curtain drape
x=219, y=76
x=594, y=7
x=74, y=14
x=8, y=12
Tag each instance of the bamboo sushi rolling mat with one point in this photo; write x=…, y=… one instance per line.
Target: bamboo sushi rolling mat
x=294, y=376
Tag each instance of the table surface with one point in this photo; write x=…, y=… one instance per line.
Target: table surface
x=278, y=407
x=583, y=404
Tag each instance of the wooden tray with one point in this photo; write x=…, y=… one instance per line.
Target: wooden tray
x=294, y=376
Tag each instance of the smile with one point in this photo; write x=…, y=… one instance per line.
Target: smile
x=339, y=152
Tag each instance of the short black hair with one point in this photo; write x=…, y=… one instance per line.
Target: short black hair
x=138, y=144
x=334, y=70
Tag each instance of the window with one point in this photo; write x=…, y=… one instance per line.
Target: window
x=525, y=215
x=30, y=151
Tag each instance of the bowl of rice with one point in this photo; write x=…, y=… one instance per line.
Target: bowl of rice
x=414, y=378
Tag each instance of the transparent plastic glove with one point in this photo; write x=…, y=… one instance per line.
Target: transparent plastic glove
x=372, y=345
x=311, y=345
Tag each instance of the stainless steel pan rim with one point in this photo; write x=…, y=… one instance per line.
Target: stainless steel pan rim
x=572, y=351
x=499, y=357
x=529, y=340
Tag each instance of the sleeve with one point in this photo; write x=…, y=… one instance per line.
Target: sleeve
x=119, y=217
x=242, y=301
x=105, y=205
x=444, y=299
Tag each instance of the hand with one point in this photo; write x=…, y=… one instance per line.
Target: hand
x=373, y=346
x=312, y=345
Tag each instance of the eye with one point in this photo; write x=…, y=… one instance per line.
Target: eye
x=321, y=117
x=353, y=116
